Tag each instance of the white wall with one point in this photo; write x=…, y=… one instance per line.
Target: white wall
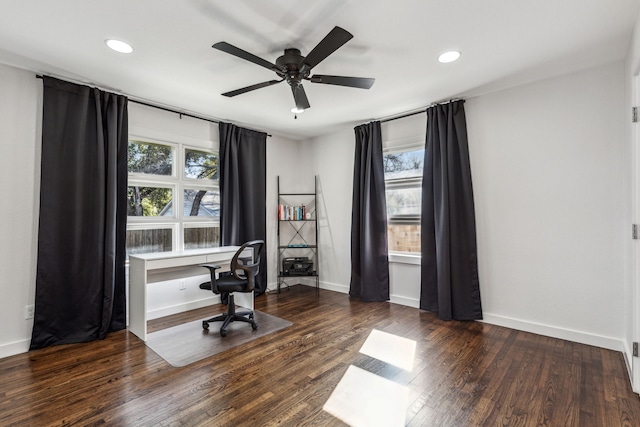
x=547, y=164
x=548, y=170
x=332, y=161
x=20, y=112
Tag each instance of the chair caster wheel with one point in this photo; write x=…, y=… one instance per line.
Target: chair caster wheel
x=205, y=325
x=223, y=333
x=254, y=326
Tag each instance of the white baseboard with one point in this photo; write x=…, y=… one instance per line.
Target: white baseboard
x=396, y=299
x=334, y=287
x=179, y=308
x=627, y=353
x=555, y=332
x=409, y=302
x=13, y=348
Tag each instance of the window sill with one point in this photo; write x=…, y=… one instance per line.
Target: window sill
x=405, y=258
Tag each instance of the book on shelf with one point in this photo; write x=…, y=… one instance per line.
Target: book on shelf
x=292, y=213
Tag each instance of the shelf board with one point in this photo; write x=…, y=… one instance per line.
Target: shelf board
x=296, y=194
x=313, y=274
x=298, y=247
x=295, y=220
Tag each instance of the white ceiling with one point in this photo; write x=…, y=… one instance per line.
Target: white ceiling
x=503, y=43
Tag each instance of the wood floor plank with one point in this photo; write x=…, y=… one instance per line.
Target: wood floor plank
x=464, y=374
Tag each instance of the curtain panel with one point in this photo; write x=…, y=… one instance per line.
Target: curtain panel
x=369, y=245
x=449, y=269
x=80, y=278
x=243, y=190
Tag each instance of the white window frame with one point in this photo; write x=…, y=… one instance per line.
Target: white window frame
x=400, y=183
x=178, y=182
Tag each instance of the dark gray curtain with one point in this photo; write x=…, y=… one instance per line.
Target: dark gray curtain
x=80, y=279
x=243, y=190
x=450, y=285
x=369, y=245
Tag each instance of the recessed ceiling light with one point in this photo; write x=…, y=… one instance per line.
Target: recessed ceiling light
x=449, y=56
x=119, y=46
x=297, y=110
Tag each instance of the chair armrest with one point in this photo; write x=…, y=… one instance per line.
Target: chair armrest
x=212, y=269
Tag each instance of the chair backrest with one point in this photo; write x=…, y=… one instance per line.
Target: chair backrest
x=250, y=266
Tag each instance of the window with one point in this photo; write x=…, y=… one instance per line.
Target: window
x=403, y=180
x=169, y=207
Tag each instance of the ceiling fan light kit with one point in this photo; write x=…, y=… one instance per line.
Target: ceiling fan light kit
x=294, y=68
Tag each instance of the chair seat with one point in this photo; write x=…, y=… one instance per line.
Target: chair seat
x=231, y=284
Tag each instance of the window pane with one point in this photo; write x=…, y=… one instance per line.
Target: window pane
x=146, y=241
x=149, y=201
x=154, y=159
x=200, y=164
x=403, y=237
x=407, y=164
x=201, y=237
x=201, y=203
x=404, y=201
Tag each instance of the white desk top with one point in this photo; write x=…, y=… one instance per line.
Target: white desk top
x=187, y=253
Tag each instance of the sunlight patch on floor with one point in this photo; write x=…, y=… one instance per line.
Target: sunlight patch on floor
x=389, y=348
x=365, y=399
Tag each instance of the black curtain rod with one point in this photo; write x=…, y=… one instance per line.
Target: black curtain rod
x=403, y=116
x=419, y=111
x=173, y=111
x=180, y=113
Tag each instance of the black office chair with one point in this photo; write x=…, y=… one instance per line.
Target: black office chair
x=241, y=278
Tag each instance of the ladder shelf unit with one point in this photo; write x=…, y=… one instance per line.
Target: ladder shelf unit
x=297, y=237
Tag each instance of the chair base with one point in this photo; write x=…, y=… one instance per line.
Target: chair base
x=231, y=316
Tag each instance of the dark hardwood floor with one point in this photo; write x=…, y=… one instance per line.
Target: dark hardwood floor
x=465, y=374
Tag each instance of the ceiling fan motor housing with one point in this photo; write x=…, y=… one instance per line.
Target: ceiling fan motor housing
x=289, y=67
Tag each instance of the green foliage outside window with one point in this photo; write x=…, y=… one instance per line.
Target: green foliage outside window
x=149, y=158
x=200, y=164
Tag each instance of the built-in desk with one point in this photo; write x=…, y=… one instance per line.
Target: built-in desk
x=144, y=269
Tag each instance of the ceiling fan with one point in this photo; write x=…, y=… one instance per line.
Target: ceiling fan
x=293, y=68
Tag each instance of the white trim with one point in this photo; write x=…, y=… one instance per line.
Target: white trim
x=616, y=344
x=333, y=287
x=401, y=300
x=398, y=145
x=395, y=299
x=13, y=348
x=405, y=258
x=628, y=361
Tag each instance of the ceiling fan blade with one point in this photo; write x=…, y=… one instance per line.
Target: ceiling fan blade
x=250, y=88
x=332, y=42
x=300, y=97
x=359, y=82
x=243, y=54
